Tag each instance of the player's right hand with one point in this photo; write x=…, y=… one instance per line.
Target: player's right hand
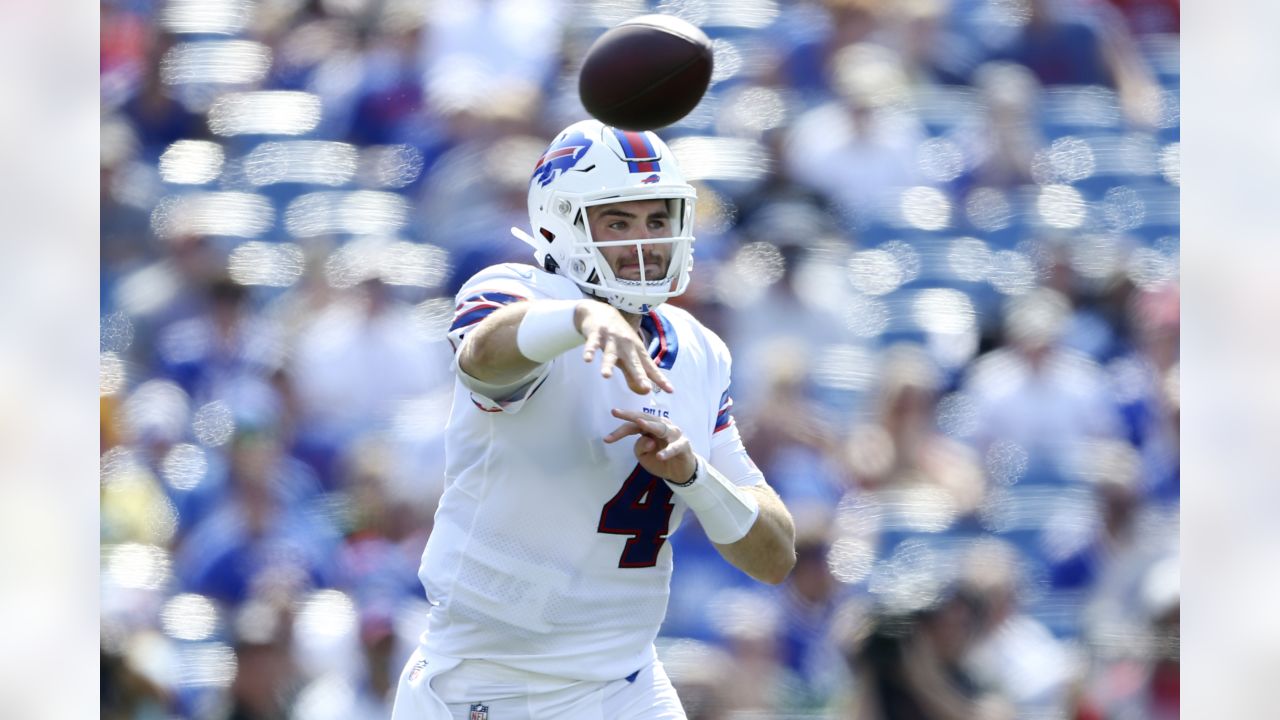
x=608, y=333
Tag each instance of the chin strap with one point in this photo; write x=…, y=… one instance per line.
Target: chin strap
x=526, y=237
x=548, y=263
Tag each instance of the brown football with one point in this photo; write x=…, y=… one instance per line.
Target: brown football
x=646, y=73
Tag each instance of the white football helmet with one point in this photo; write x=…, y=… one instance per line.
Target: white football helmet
x=590, y=163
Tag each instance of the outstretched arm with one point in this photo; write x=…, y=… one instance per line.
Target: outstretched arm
x=748, y=525
x=508, y=345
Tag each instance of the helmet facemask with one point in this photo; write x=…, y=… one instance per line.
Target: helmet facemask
x=588, y=266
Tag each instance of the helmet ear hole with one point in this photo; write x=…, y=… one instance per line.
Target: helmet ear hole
x=550, y=236
x=549, y=263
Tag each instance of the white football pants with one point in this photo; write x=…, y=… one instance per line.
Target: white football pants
x=436, y=688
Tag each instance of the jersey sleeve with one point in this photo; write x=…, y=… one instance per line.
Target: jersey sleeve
x=728, y=454
x=482, y=295
x=721, y=373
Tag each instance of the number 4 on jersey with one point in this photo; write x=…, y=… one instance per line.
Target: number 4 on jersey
x=642, y=508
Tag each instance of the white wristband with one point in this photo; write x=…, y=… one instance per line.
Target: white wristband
x=547, y=330
x=725, y=510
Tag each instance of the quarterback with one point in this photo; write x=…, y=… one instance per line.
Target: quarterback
x=588, y=419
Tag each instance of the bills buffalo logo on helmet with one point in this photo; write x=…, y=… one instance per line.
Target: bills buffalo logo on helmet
x=561, y=156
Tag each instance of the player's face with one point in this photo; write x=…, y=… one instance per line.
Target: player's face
x=633, y=220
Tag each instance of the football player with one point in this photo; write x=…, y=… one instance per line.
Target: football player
x=588, y=419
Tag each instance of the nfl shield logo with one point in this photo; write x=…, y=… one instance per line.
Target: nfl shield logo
x=479, y=711
x=416, y=672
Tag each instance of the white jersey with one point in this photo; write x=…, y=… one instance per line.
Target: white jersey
x=549, y=552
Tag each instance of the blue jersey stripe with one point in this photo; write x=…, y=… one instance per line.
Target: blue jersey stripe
x=664, y=350
x=472, y=317
x=490, y=296
x=723, y=417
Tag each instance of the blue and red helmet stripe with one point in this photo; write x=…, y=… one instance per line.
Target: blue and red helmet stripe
x=638, y=151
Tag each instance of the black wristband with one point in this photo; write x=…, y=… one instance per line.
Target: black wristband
x=688, y=482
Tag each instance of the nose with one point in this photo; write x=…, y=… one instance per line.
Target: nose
x=652, y=252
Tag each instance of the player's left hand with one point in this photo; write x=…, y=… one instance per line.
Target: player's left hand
x=662, y=447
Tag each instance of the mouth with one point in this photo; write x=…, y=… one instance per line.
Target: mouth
x=632, y=271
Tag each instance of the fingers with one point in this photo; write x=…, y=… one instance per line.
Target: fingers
x=658, y=377
x=637, y=379
x=646, y=421
x=623, y=430
x=648, y=425
x=673, y=448
x=591, y=346
x=609, y=358
x=628, y=355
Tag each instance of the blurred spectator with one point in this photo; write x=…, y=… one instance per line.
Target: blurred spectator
x=128, y=694
x=1080, y=560
x=220, y=352
x=149, y=422
x=269, y=530
x=779, y=278
x=758, y=682
x=810, y=600
x=1117, y=607
x=124, y=214
x=699, y=672
x=358, y=359
x=1066, y=44
x=1015, y=653
x=902, y=449
x=1139, y=676
x=1147, y=381
x=787, y=436
x=125, y=39
x=266, y=681
x=931, y=52
x=158, y=116
x=378, y=566
x=490, y=57
x=910, y=667
x=859, y=151
x=1150, y=16
x=1034, y=394
x=1003, y=144
x=389, y=105
x=812, y=33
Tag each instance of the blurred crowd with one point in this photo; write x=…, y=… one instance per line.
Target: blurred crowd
x=941, y=238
